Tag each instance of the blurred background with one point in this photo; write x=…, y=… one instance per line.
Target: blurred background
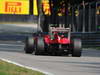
x=20, y=18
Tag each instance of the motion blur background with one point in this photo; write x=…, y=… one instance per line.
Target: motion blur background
x=19, y=19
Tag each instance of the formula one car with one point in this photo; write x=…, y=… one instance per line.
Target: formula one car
x=57, y=41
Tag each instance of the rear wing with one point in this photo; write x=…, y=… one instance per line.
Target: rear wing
x=59, y=29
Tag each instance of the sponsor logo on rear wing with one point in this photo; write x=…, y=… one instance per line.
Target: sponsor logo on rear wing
x=53, y=29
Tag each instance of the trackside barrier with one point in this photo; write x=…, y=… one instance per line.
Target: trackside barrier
x=13, y=37
x=18, y=19
x=89, y=39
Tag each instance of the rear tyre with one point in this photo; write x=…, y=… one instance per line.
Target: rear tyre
x=77, y=48
x=29, y=45
x=39, y=50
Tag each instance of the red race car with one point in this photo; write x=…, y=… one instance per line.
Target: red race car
x=58, y=41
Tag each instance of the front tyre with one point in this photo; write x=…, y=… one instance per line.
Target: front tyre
x=77, y=48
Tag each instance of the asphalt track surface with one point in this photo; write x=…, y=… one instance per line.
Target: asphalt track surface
x=88, y=64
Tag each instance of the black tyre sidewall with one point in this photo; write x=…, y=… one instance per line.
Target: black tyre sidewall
x=29, y=45
x=40, y=46
x=77, y=48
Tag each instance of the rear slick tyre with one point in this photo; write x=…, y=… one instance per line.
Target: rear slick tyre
x=40, y=46
x=29, y=45
x=77, y=48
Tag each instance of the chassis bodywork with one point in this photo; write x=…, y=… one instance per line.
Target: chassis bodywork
x=57, y=42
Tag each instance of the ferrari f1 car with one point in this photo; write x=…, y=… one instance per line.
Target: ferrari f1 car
x=57, y=41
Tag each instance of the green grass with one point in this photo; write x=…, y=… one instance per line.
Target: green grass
x=98, y=48
x=11, y=69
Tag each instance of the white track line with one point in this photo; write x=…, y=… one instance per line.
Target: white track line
x=12, y=62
